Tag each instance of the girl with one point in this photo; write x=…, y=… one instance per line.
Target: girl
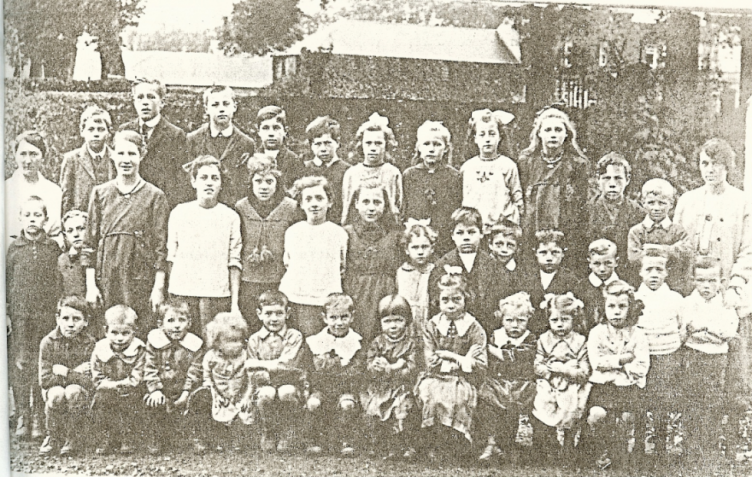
x=554, y=175
x=265, y=214
x=490, y=181
x=454, y=346
x=373, y=255
x=377, y=141
x=314, y=256
x=418, y=241
x=562, y=368
x=433, y=188
x=620, y=357
x=391, y=365
x=126, y=243
x=203, y=247
x=509, y=388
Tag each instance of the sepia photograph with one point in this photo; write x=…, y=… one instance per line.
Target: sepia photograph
x=377, y=238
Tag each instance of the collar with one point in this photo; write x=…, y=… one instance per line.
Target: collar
x=319, y=163
x=22, y=240
x=571, y=340
x=645, y=290
x=511, y=265
x=501, y=338
x=407, y=267
x=264, y=333
x=717, y=300
x=462, y=323
x=344, y=347
x=152, y=123
x=648, y=223
x=597, y=282
x=547, y=276
x=104, y=352
x=158, y=339
x=57, y=335
x=97, y=155
x=19, y=178
x=226, y=132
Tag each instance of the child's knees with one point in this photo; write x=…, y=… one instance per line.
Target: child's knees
x=56, y=397
x=595, y=415
x=314, y=403
x=265, y=395
x=287, y=393
x=347, y=402
x=75, y=393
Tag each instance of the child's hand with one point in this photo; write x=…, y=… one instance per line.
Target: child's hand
x=626, y=358
x=246, y=404
x=379, y=364
x=555, y=367
x=94, y=296
x=59, y=370
x=444, y=354
x=83, y=368
x=475, y=351
x=399, y=364
x=108, y=385
x=182, y=401
x=156, y=299
x=157, y=398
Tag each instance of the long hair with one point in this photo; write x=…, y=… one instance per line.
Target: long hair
x=388, y=220
x=570, y=143
x=376, y=122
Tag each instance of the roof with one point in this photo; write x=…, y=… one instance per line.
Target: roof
x=404, y=40
x=176, y=68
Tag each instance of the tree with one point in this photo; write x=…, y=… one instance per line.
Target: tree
x=261, y=26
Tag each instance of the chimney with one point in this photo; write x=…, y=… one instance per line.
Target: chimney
x=510, y=37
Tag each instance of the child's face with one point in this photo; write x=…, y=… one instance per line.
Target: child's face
x=452, y=303
x=120, y=336
x=324, y=147
x=394, y=326
x=419, y=250
x=653, y=272
x=503, y=247
x=617, y=309
x=95, y=133
x=431, y=148
x=264, y=186
x=487, y=138
x=315, y=203
x=374, y=147
x=29, y=159
x=127, y=158
x=208, y=182
x=220, y=107
x=561, y=324
x=613, y=182
x=33, y=218
x=70, y=321
x=338, y=321
x=708, y=282
x=602, y=265
x=175, y=324
x=466, y=238
x=515, y=324
x=657, y=206
x=273, y=317
x=552, y=133
x=147, y=101
x=712, y=172
x=231, y=344
x=370, y=204
x=272, y=134
x=549, y=256
x=74, y=230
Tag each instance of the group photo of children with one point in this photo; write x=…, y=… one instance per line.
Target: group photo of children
x=212, y=289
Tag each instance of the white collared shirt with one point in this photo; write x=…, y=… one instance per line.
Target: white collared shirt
x=152, y=123
x=546, y=278
x=501, y=338
x=648, y=223
x=96, y=155
x=468, y=260
x=511, y=265
x=462, y=323
x=597, y=282
x=226, y=132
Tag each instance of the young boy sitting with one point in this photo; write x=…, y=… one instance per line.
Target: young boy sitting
x=602, y=260
x=658, y=197
x=172, y=369
x=276, y=371
x=65, y=376
x=324, y=138
x=117, y=368
x=90, y=164
x=271, y=127
x=220, y=138
x=338, y=363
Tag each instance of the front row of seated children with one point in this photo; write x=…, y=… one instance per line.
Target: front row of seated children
x=455, y=383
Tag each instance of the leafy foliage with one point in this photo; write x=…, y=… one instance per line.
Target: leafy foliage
x=261, y=26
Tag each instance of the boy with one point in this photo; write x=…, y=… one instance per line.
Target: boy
x=471, y=261
x=658, y=197
x=549, y=277
x=172, y=369
x=275, y=358
x=602, y=261
x=707, y=326
x=324, y=138
x=72, y=273
x=338, y=362
x=117, y=369
x=611, y=214
x=166, y=147
x=220, y=138
x=31, y=299
x=90, y=164
x=271, y=126
x=65, y=376
x=503, y=240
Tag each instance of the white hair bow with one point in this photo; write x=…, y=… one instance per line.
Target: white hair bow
x=503, y=117
x=452, y=270
x=379, y=120
x=410, y=223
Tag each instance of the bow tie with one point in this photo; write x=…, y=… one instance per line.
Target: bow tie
x=452, y=330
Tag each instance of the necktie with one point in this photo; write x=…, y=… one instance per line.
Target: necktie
x=145, y=132
x=452, y=330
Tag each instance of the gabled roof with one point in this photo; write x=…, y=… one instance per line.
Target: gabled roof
x=177, y=68
x=404, y=40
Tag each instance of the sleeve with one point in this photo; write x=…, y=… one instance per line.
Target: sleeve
x=194, y=374
x=347, y=192
x=406, y=204
x=137, y=373
x=93, y=226
x=634, y=244
x=429, y=348
x=236, y=244
x=67, y=182
x=539, y=363
x=398, y=192
x=160, y=217
x=742, y=266
x=81, y=379
x=581, y=371
x=291, y=352
x=601, y=359
x=374, y=351
x=10, y=265
x=172, y=235
x=638, y=368
x=46, y=360
x=286, y=253
x=151, y=369
x=477, y=336
x=98, y=375
x=727, y=325
x=680, y=249
x=411, y=361
x=515, y=187
x=206, y=367
x=685, y=318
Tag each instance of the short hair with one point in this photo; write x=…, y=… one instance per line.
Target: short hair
x=34, y=198
x=519, y=303
x=418, y=230
x=161, y=90
x=33, y=138
x=601, y=247
x=339, y=300
x=377, y=122
x=323, y=125
x=77, y=303
x=272, y=298
x=272, y=112
x=612, y=159
x=395, y=305
x=655, y=252
x=73, y=214
x=217, y=89
x=566, y=304
x=225, y=324
x=660, y=187
x=96, y=114
x=451, y=281
x=132, y=137
x=306, y=183
x=549, y=236
x=438, y=129
x=706, y=263
x=120, y=315
x=175, y=305
x=261, y=164
x=720, y=152
x=507, y=228
x=618, y=288
x=201, y=161
x=467, y=216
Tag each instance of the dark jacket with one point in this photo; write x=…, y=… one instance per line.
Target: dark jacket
x=172, y=366
x=69, y=352
x=80, y=173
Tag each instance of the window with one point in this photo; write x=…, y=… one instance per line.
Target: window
x=566, y=60
x=603, y=54
x=653, y=55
